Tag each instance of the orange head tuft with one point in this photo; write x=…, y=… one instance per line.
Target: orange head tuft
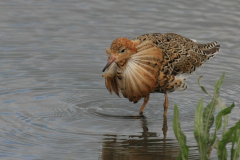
x=123, y=45
x=120, y=51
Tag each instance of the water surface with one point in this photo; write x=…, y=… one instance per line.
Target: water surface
x=54, y=104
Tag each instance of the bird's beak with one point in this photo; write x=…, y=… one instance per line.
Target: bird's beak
x=110, y=61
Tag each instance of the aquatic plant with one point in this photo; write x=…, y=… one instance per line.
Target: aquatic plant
x=204, y=119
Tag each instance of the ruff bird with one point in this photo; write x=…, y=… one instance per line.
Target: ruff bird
x=153, y=63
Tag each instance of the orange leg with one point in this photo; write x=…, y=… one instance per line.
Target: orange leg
x=165, y=105
x=144, y=104
x=165, y=127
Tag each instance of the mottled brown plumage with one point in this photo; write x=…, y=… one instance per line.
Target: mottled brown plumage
x=153, y=63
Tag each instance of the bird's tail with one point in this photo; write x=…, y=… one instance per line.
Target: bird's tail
x=209, y=49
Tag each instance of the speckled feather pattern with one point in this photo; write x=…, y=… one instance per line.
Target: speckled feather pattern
x=154, y=63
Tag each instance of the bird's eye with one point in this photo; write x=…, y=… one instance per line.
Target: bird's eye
x=123, y=50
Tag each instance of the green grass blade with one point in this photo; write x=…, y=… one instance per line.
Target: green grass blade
x=236, y=151
x=203, y=88
x=198, y=131
x=208, y=113
x=219, y=102
x=222, y=113
x=215, y=144
x=218, y=85
x=225, y=124
x=218, y=121
x=222, y=106
x=208, y=118
x=198, y=123
x=184, y=150
x=222, y=153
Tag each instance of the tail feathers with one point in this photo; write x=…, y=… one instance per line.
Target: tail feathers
x=209, y=49
x=207, y=45
x=212, y=51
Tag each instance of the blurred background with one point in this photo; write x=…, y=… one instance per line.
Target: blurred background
x=53, y=99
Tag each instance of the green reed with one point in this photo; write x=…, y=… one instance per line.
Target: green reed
x=204, y=119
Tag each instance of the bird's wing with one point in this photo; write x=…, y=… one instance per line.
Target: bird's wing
x=180, y=54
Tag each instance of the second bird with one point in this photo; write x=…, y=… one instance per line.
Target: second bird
x=153, y=63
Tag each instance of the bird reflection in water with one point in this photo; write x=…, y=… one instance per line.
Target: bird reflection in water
x=148, y=145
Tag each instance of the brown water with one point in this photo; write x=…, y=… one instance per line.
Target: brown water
x=54, y=104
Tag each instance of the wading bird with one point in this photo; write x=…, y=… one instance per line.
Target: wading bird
x=153, y=63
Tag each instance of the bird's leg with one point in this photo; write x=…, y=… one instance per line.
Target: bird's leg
x=144, y=104
x=165, y=105
x=165, y=127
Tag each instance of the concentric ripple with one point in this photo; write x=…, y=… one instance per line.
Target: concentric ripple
x=80, y=118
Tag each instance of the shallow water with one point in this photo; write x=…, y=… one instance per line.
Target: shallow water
x=54, y=104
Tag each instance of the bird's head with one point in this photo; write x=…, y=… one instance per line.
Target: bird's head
x=120, y=51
